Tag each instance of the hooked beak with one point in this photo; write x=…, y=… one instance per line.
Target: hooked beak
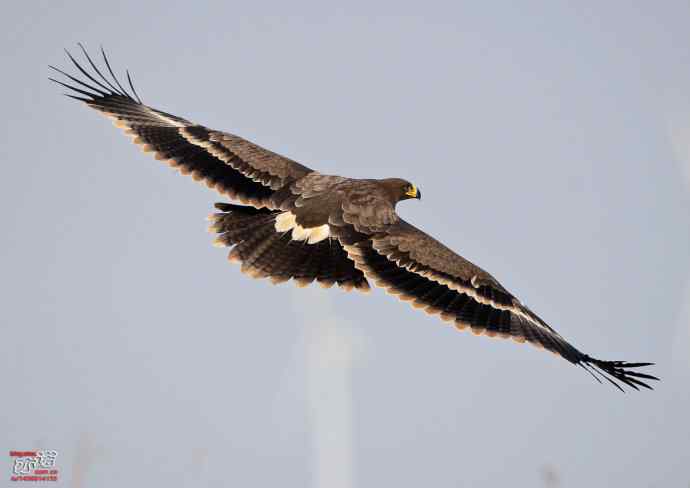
x=413, y=192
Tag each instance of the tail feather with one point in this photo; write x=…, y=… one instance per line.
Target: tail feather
x=266, y=253
x=325, y=274
x=306, y=267
x=270, y=260
x=256, y=260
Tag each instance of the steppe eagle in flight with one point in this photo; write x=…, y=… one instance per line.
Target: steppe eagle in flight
x=295, y=223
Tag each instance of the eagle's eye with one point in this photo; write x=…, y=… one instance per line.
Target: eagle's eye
x=412, y=192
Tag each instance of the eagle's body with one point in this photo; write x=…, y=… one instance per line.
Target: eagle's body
x=297, y=224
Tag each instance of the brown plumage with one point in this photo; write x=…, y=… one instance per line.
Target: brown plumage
x=297, y=224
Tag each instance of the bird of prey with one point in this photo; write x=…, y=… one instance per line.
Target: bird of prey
x=290, y=222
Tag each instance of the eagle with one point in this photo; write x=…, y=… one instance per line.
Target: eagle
x=290, y=222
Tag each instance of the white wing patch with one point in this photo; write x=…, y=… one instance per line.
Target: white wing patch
x=286, y=222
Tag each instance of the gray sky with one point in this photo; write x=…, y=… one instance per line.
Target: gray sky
x=551, y=142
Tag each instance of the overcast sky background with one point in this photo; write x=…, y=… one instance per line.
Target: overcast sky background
x=551, y=142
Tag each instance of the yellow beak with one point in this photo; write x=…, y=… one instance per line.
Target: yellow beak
x=413, y=192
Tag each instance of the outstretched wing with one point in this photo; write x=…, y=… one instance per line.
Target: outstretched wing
x=419, y=269
x=233, y=166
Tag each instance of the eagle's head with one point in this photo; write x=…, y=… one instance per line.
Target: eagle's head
x=400, y=189
x=408, y=190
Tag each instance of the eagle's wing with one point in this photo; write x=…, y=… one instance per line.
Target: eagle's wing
x=233, y=166
x=413, y=265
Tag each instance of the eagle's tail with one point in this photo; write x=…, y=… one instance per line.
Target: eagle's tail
x=266, y=253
